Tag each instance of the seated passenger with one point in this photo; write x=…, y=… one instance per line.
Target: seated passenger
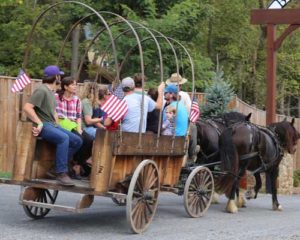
x=153, y=117
x=90, y=100
x=168, y=126
x=69, y=117
x=181, y=111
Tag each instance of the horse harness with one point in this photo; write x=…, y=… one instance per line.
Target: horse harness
x=256, y=150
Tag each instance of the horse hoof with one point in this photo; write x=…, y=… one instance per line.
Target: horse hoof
x=231, y=207
x=241, y=202
x=277, y=208
x=215, y=198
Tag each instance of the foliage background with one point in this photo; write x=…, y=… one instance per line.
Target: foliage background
x=208, y=28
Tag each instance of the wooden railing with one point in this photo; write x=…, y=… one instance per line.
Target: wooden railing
x=10, y=111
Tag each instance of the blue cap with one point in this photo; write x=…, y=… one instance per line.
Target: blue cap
x=52, y=70
x=171, y=88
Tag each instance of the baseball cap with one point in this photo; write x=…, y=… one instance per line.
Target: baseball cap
x=128, y=82
x=52, y=70
x=171, y=88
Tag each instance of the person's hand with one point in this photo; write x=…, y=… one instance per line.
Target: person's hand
x=161, y=87
x=37, y=130
x=79, y=131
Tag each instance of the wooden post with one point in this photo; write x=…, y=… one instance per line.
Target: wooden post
x=271, y=74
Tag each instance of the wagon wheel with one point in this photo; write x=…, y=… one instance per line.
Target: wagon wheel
x=39, y=195
x=198, y=191
x=142, y=197
x=119, y=201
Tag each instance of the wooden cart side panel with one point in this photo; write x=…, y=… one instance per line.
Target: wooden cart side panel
x=169, y=169
x=124, y=167
x=103, y=161
x=44, y=159
x=24, y=152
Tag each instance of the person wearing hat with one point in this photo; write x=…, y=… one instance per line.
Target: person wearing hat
x=177, y=79
x=132, y=119
x=181, y=111
x=40, y=109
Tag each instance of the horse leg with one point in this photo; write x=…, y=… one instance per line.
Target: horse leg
x=273, y=177
x=231, y=206
x=241, y=201
x=258, y=184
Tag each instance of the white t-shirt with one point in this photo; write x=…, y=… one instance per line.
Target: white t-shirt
x=186, y=100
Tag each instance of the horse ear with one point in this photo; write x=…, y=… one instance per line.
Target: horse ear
x=293, y=121
x=248, y=117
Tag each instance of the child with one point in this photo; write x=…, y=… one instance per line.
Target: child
x=168, y=125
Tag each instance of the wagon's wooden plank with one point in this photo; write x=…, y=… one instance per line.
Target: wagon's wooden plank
x=127, y=144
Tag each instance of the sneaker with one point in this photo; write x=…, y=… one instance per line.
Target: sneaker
x=51, y=173
x=64, y=179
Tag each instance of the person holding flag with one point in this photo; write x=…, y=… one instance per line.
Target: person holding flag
x=130, y=113
x=40, y=109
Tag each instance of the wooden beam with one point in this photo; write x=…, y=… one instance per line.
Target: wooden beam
x=275, y=16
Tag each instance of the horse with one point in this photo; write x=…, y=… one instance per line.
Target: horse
x=245, y=146
x=208, y=132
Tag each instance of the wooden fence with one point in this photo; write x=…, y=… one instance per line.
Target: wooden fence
x=10, y=110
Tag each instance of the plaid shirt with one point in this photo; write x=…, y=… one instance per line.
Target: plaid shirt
x=70, y=109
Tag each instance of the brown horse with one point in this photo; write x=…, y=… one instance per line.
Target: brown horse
x=244, y=146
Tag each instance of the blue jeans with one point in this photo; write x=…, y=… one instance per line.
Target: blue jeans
x=67, y=143
x=91, y=131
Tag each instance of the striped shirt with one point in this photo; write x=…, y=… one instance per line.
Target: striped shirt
x=70, y=109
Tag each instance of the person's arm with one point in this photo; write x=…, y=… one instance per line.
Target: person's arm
x=78, y=121
x=100, y=125
x=159, y=101
x=31, y=114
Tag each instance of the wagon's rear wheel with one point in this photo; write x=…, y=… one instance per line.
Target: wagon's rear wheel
x=142, y=196
x=40, y=196
x=198, y=191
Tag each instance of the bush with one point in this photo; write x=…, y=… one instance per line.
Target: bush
x=297, y=178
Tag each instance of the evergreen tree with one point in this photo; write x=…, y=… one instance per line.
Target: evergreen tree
x=217, y=96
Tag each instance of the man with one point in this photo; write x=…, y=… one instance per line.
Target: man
x=177, y=79
x=181, y=111
x=41, y=111
x=131, y=122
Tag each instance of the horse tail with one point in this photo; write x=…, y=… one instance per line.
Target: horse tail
x=229, y=162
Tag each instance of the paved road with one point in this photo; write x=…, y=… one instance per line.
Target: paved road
x=104, y=220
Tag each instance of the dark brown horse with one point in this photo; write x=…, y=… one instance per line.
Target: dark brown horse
x=244, y=146
x=209, y=131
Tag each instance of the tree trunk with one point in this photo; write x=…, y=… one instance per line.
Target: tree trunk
x=75, y=50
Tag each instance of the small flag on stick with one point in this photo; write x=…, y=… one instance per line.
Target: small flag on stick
x=21, y=81
x=195, y=112
x=115, y=108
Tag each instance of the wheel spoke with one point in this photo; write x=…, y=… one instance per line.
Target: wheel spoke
x=148, y=207
x=50, y=196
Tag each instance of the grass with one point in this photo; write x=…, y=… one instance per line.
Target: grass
x=5, y=174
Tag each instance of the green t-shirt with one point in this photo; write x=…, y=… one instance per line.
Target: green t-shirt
x=87, y=110
x=44, y=103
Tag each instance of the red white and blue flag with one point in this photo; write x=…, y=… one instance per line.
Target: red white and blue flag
x=21, y=81
x=115, y=108
x=195, y=111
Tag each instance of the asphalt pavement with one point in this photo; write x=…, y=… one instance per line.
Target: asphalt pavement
x=105, y=220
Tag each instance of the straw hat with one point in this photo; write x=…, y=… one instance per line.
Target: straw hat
x=176, y=79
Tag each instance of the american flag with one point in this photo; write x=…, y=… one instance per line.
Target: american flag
x=21, y=81
x=115, y=108
x=195, y=112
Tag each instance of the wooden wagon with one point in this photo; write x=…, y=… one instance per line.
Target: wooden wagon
x=130, y=168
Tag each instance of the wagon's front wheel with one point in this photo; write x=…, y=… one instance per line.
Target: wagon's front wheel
x=198, y=191
x=142, y=196
x=40, y=196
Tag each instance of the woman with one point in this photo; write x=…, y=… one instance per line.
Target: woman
x=90, y=101
x=69, y=117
